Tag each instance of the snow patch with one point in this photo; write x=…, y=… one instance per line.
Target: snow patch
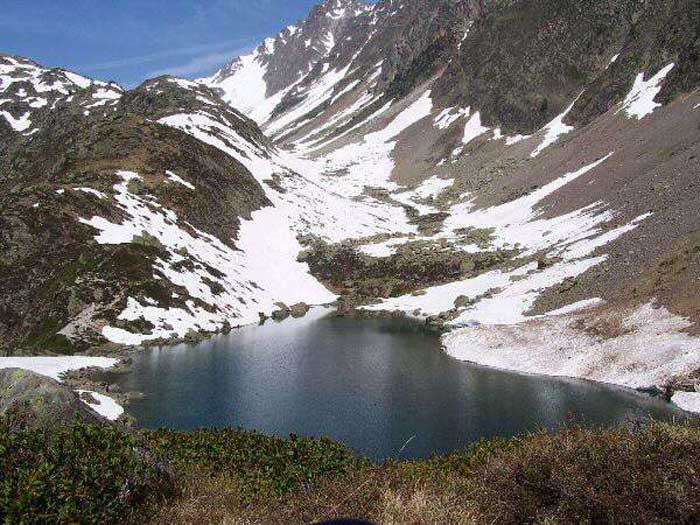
x=688, y=401
x=429, y=189
x=555, y=129
x=55, y=367
x=516, y=222
x=105, y=405
x=639, y=102
x=449, y=116
x=18, y=124
x=179, y=180
x=92, y=191
x=473, y=129
x=515, y=139
x=577, y=306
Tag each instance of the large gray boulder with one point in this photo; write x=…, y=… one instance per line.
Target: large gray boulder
x=35, y=401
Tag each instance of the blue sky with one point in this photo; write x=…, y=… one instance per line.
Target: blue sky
x=131, y=40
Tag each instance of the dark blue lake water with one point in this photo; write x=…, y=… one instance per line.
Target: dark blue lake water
x=375, y=385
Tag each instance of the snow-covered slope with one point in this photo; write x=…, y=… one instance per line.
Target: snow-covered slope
x=258, y=82
x=185, y=237
x=496, y=158
x=340, y=63
x=27, y=88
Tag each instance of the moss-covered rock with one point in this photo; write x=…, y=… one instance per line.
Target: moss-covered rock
x=29, y=400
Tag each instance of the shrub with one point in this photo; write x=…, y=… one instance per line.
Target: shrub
x=90, y=474
x=260, y=462
x=644, y=475
x=76, y=474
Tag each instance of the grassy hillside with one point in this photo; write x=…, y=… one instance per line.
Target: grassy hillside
x=642, y=473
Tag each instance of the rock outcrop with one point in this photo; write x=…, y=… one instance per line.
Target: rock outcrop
x=30, y=400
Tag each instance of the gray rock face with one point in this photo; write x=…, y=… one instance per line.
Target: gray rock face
x=34, y=401
x=293, y=52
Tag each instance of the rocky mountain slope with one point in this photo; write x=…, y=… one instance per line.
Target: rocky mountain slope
x=29, y=91
x=521, y=173
x=119, y=227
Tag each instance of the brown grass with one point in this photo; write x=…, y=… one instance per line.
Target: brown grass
x=646, y=474
x=649, y=475
x=378, y=494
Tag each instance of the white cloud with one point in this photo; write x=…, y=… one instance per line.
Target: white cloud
x=160, y=55
x=201, y=64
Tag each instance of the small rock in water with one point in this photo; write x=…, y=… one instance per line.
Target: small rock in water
x=299, y=310
x=281, y=314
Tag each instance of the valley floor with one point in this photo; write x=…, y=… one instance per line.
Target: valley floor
x=568, y=252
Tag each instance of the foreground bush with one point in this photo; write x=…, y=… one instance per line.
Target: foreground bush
x=645, y=475
x=262, y=463
x=76, y=474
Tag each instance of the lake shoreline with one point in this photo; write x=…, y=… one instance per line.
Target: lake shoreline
x=280, y=367
x=109, y=381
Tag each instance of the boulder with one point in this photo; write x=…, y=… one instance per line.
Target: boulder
x=463, y=301
x=299, y=310
x=282, y=313
x=31, y=400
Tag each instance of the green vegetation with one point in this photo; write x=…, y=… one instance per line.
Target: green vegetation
x=264, y=464
x=76, y=474
x=644, y=473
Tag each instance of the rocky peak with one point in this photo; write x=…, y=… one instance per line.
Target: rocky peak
x=27, y=90
x=345, y=46
x=167, y=96
x=283, y=60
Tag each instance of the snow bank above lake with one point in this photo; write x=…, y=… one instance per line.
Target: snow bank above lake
x=505, y=297
x=262, y=271
x=642, y=348
x=55, y=367
x=105, y=405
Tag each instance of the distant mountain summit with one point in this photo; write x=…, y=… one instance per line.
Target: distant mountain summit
x=28, y=89
x=256, y=83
